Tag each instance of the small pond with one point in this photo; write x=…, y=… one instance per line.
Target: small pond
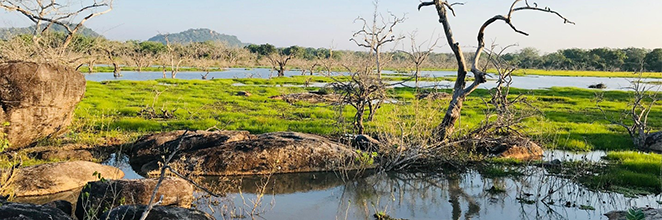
x=454, y=194
x=523, y=82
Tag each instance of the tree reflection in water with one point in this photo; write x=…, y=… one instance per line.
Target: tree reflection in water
x=532, y=193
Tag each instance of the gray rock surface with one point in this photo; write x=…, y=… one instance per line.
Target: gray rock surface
x=37, y=100
x=99, y=196
x=134, y=212
x=23, y=211
x=46, y=179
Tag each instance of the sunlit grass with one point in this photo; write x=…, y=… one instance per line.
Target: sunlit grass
x=568, y=117
x=630, y=170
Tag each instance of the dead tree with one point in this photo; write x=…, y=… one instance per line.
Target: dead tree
x=418, y=55
x=140, y=57
x=176, y=56
x=374, y=36
x=460, y=89
x=45, y=14
x=635, y=119
x=113, y=50
x=282, y=56
x=501, y=118
x=361, y=92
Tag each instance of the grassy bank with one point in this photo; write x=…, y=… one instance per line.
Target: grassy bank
x=629, y=172
x=569, y=117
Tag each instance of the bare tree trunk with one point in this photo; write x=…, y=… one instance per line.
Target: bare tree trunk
x=358, y=120
x=417, y=74
x=281, y=70
x=91, y=66
x=460, y=90
x=447, y=126
x=116, y=70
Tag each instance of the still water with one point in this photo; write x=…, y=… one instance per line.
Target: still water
x=448, y=194
x=523, y=82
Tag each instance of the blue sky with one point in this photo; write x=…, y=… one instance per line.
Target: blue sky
x=600, y=23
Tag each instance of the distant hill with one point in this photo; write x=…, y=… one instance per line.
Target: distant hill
x=198, y=35
x=6, y=33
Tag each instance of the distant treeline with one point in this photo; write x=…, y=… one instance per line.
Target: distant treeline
x=87, y=51
x=601, y=59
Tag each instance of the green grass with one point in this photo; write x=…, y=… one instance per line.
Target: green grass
x=630, y=172
x=569, y=117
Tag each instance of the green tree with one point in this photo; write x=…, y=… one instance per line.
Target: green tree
x=653, y=60
x=634, y=58
x=151, y=47
x=575, y=58
x=529, y=58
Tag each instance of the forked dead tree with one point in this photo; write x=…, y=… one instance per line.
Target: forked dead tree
x=374, y=36
x=45, y=14
x=176, y=56
x=460, y=89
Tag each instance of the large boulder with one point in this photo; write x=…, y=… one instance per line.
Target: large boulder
x=100, y=196
x=23, y=211
x=654, y=141
x=37, y=100
x=278, y=152
x=46, y=179
x=148, y=150
x=134, y=212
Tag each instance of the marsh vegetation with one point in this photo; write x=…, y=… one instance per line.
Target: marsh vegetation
x=416, y=141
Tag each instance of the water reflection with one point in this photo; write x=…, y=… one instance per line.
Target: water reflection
x=452, y=195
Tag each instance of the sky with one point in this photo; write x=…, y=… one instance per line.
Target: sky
x=310, y=23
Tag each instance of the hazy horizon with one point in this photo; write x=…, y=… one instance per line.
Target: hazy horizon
x=605, y=23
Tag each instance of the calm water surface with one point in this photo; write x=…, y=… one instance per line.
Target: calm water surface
x=523, y=82
x=450, y=194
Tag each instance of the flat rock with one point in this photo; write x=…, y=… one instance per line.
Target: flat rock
x=151, y=148
x=105, y=195
x=37, y=100
x=23, y=211
x=134, y=212
x=53, y=178
x=278, y=152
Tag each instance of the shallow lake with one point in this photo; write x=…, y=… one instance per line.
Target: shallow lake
x=523, y=82
x=450, y=194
